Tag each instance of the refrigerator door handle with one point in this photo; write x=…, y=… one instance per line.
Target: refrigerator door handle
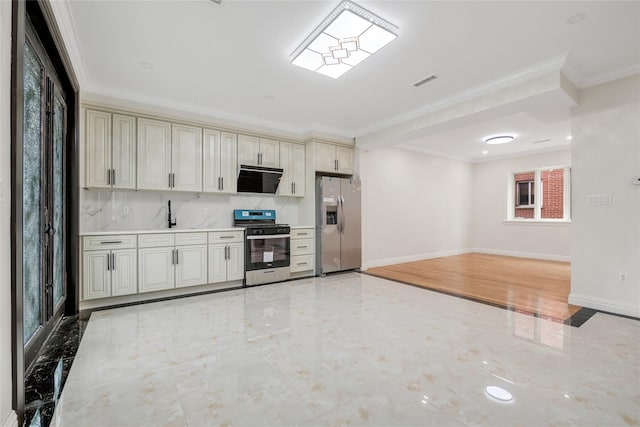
x=342, y=216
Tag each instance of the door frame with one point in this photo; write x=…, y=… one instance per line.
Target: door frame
x=40, y=14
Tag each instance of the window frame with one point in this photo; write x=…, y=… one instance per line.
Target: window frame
x=513, y=196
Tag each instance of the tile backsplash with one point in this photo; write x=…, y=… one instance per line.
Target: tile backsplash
x=113, y=210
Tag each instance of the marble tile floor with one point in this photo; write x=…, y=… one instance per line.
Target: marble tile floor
x=348, y=350
x=45, y=380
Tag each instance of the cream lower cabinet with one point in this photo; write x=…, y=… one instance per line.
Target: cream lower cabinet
x=109, y=266
x=302, y=251
x=168, y=261
x=226, y=256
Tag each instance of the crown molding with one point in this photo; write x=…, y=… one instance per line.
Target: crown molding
x=63, y=16
x=615, y=75
x=538, y=70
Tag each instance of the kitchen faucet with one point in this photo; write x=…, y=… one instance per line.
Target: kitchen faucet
x=171, y=223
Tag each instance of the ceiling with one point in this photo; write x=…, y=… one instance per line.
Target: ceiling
x=231, y=61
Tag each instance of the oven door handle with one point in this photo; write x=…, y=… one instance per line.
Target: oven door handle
x=269, y=236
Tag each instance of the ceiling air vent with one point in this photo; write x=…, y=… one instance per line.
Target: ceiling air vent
x=425, y=80
x=542, y=140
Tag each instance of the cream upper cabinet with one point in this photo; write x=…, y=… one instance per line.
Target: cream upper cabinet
x=220, y=150
x=186, y=158
x=169, y=156
x=344, y=160
x=256, y=151
x=110, y=150
x=334, y=159
x=269, y=153
x=292, y=161
x=154, y=155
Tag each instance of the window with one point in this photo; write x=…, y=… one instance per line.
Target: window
x=525, y=193
x=540, y=194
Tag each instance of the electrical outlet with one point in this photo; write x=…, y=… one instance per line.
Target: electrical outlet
x=623, y=277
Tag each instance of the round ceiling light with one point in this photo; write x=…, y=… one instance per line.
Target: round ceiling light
x=499, y=393
x=501, y=139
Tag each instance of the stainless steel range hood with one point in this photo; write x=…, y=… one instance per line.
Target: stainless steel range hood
x=258, y=179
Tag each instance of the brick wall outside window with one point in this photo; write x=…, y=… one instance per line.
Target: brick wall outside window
x=552, y=192
x=523, y=212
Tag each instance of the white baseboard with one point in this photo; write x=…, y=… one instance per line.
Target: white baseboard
x=603, y=304
x=11, y=421
x=534, y=255
x=399, y=260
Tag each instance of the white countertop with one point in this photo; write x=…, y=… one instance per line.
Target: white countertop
x=171, y=230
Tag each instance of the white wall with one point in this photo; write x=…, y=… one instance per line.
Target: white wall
x=414, y=206
x=606, y=238
x=492, y=235
x=7, y=416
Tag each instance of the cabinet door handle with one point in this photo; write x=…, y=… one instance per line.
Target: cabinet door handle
x=108, y=262
x=335, y=164
x=222, y=182
x=169, y=180
x=177, y=259
x=227, y=237
x=108, y=176
x=110, y=242
x=293, y=189
x=113, y=261
x=113, y=177
x=301, y=263
x=219, y=184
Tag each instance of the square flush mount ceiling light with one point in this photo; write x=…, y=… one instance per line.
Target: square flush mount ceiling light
x=348, y=36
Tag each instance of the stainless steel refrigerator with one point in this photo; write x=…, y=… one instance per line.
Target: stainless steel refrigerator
x=338, y=224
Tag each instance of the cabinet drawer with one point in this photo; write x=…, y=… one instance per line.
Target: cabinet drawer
x=91, y=243
x=183, y=239
x=301, y=263
x=301, y=247
x=156, y=240
x=302, y=233
x=226, y=236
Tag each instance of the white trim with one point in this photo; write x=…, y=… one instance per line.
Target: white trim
x=11, y=420
x=551, y=222
x=533, y=255
x=532, y=152
x=69, y=33
x=603, y=304
x=521, y=76
x=411, y=258
x=615, y=75
x=433, y=153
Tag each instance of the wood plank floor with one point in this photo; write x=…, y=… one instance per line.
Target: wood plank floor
x=522, y=284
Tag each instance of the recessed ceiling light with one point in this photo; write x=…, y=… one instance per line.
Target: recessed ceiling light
x=498, y=139
x=578, y=17
x=485, y=152
x=499, y=393
x=147, y=65
x=569, y=138
x=348, y=36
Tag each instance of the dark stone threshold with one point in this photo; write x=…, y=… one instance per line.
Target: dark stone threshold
x=46, y=378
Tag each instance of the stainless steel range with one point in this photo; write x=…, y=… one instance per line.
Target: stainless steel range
x=267, y=246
